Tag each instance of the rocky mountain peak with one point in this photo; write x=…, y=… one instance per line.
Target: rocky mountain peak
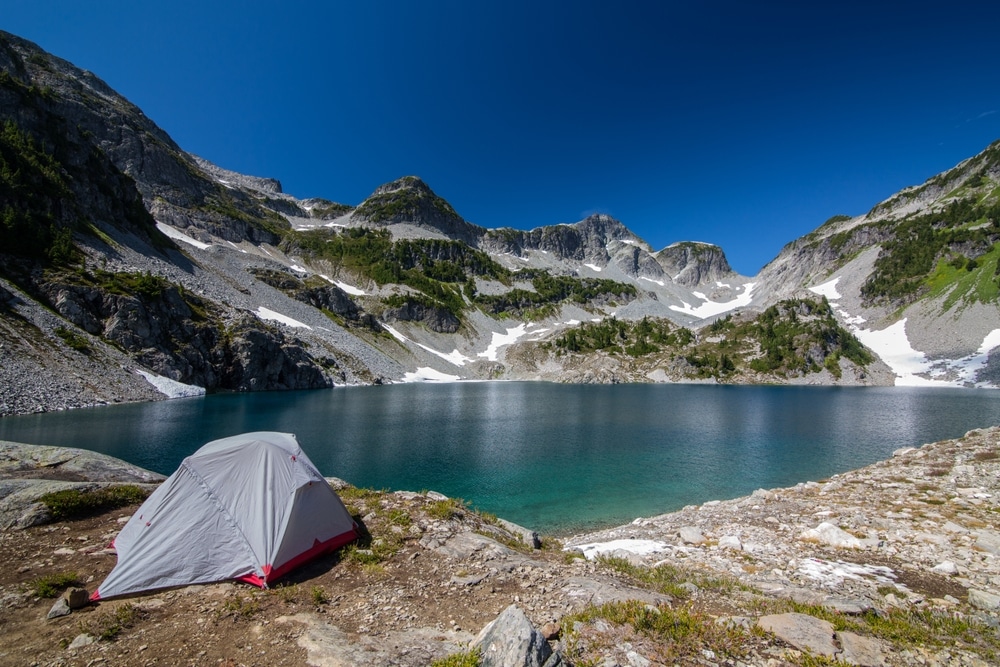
x=406, y=182
x=408, y=200
x=693, y=263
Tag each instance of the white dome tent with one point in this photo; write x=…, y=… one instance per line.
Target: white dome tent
x=250, y=507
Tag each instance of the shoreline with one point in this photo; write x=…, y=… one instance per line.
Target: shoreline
x=910, y=538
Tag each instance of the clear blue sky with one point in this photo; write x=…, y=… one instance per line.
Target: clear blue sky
x=745, y=124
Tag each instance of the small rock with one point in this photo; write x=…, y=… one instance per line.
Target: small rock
x=551, y=630
x=60, y=608
x=988, y=541
x=81, y=641
x=77, y=598
x=946, y=567
x=691, y=535
x=984, y=600
x=64, y=552
x=730, y=542
x=831, y=535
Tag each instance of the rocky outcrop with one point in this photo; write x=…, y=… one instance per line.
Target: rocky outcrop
x=259, y=359
x=581, y=241
x=173, y=333
x=434, y=318
x=694, y=264
x=27, y=472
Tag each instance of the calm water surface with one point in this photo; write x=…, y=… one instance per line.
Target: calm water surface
x=557, y=458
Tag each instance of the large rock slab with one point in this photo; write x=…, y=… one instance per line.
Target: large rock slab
x=19, y=460
x=28, y=472
x=802, y=631
x=859, y=650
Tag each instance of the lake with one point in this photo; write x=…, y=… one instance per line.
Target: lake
x=557, y=458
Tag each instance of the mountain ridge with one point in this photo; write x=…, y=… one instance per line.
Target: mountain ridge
x=233, y=273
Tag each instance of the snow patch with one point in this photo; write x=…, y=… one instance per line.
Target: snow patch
x=833, y=573
x=827, y=289
x=593, y=267
x=237, y=247
x=640, y=547
x=350, y=289
x=892, y=345
x=395, y=334
x=178, y=235
x=300, y=269
x=455, y=357
x=710, y=308
x=274, y=316
x=426, y=374
x=499, y=340
x=171, y=388
x=658, y=282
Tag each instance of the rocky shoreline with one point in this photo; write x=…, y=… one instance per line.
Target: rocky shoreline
x=897, y=563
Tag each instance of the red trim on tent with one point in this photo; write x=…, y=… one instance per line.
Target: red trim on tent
x=252, y=579
x=318, y=548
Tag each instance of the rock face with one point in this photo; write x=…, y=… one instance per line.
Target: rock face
x=434, y=318
x=694, y=264
x=586, y=240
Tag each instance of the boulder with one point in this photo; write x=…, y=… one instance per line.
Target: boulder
x=510, y=640
x=528, y=536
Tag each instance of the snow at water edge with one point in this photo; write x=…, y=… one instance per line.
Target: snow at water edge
x=171, y=388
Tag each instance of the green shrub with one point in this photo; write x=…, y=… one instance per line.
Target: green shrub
x=107, y=625
x=50, y=585
x=74, y=340
x=76, y=504
x=471, y=658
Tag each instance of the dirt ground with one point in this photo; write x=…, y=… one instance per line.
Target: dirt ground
x=413, y=589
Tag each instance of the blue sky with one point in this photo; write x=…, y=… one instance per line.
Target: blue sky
x=745, y=124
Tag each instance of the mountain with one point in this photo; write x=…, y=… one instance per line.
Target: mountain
x=130, y=269
x=916, y=277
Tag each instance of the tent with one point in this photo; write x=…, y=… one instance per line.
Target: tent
x=250, y=507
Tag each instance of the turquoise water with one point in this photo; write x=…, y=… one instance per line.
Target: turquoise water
x=557, y=458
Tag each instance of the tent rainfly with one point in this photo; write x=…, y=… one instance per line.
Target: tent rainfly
x=250, y=507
